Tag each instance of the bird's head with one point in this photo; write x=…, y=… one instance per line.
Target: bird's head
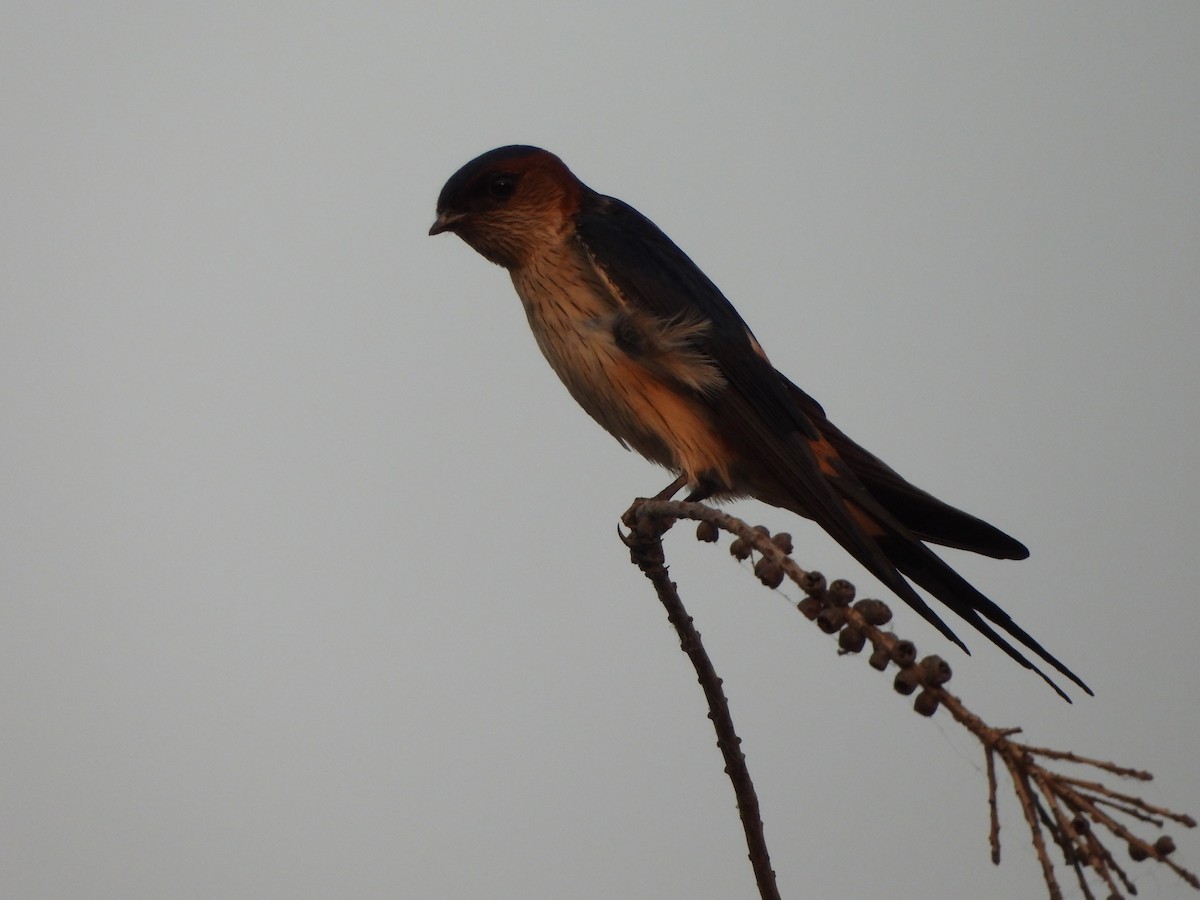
x=510, y=203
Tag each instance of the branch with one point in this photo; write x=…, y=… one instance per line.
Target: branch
x=645, y=546
x=1064, y=808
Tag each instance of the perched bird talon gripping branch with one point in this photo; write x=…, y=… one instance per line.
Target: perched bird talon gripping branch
x=652, y=350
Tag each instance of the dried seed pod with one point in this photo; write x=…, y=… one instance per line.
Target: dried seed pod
x=763, y=530
x=769, y=572
x=1165, y=845
x=880, y=657
x=876, y=612
x=1081, y=825
x=783, y=541
x=831, y=618
x=851, y=640
x=739, y=549
x=1137, y=852
x=841, y=592
x=937, y=671
x=707, y=532
x=814, y=583
x=907, y=680
x=904, y=653
x=926, y=703
x=810, y=606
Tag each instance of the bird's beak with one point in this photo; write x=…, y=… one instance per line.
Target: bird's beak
x=445, y=222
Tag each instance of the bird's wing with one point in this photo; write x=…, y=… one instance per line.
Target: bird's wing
x=769, y=421
x=754, y=411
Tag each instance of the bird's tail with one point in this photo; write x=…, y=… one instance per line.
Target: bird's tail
x=919, y=564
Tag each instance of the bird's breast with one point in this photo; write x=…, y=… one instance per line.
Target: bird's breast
x=622, y=368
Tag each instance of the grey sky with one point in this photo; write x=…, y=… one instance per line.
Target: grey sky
x=310, y=581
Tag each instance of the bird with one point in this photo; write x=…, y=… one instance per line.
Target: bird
x=652, y=350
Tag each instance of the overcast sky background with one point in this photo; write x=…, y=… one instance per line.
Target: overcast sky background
x=310, y=578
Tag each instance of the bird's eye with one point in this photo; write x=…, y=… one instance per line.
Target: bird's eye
x=502, y=186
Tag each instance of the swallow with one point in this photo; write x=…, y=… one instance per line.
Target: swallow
x=655, y=353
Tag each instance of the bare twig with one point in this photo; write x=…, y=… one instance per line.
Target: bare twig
x=1065, y=808
x=993, y=807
